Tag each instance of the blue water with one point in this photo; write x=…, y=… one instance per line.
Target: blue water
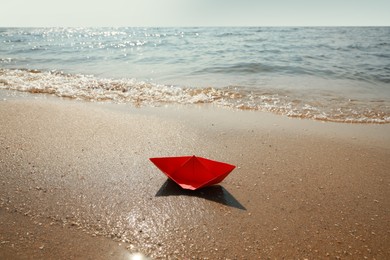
x=327, y=73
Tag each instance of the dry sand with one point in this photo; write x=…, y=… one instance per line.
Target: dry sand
x=76, y=183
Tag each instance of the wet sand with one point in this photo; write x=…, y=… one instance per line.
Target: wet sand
x=76, y=183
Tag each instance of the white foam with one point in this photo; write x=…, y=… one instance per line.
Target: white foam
x=87, y=87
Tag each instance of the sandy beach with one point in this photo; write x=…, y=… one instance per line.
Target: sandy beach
x=76, y=183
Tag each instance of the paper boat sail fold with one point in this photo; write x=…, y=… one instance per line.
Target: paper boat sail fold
x=192, y=172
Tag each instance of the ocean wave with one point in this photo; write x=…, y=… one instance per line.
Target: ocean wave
x=139, y=93
x=231, y=34
x=246, y=68
x=357, y=54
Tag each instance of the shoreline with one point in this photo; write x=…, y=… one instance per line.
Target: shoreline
x=321, y=105
x=302, y=188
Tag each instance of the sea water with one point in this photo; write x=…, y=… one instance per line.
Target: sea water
x=337, y=74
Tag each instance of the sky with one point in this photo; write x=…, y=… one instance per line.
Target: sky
x=194, y=13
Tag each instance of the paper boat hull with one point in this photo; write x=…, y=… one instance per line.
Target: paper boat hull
x=192, y=172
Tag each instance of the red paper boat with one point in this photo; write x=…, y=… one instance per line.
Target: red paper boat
x=192, y=172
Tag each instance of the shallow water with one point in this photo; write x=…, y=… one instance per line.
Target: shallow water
x=334, y=74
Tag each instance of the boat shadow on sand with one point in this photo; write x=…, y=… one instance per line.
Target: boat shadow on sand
x=214, y=193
